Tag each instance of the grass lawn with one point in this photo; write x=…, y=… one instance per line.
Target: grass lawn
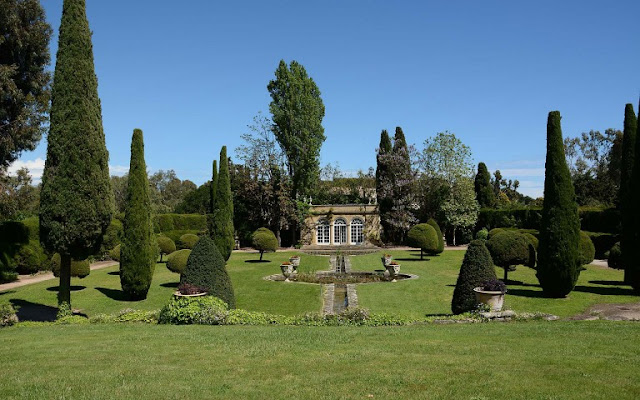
x=530, y=360
x=100, y=291
x=432, y=292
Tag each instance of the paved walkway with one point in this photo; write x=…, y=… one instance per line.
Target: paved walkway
x=45, y=276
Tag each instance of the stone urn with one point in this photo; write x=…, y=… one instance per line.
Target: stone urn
x=178, y=294
x=295, y=261
x=393, y=270
x=287, y=271
x=494, y=299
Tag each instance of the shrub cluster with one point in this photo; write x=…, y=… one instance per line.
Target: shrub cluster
x=8, y=315
x=79, y=268
x=177, y=261
x=204, y=310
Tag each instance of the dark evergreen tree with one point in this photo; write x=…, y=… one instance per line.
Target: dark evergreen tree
x=477, y=267
x=139, y=249
x=435, y=226
x=76, y=202
x=484, y=190
x=222, y=231
x=558, y=256
x=400, y=145
x=206, y=269
x=214, y=185
x=632, y=261
x=385, y=202
x=626, y=206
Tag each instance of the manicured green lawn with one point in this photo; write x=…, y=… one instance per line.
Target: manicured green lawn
x=432, y=292
x=100, y=292
x=530, y=360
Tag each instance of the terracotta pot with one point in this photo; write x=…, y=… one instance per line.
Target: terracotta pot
x=495, y=300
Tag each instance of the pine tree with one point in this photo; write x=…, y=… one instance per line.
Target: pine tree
x=477, y=267
x=222, y=231
x=558, y=255
x=214, y=184
x=626, y=205
x=484, y=191
x=139, y=249
x=76, y=203
x=633, y=265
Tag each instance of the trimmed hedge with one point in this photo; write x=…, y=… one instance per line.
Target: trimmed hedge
x=79, y=269
x=177, y=261
x=30, y=258
x=175, y=235
x=424, y=237
x=163, y=223
x=188, y=241
x=587, y=251
x=603, y=242
x=476, y=268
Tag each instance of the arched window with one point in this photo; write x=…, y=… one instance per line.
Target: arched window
x=322, y=232
x=340, y=231
x=357, y=227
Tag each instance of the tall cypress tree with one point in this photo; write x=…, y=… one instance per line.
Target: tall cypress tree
x=214, y=183
x=76, y=203
x=633, y=267
x=626, y=205
x=382, y=175
x=222, y=230
x=484, y=191
x=558, y=255
x=400, y=145
x=138, y=251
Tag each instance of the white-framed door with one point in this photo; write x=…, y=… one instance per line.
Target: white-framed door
x=340, y=231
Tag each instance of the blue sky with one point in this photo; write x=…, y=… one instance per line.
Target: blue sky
x=193, y=74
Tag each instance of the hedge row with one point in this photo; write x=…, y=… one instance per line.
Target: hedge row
x=179, y=222
x=591, y=220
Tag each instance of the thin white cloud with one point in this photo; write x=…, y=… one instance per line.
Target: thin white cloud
x=118, y=170
x=509, y=172
x=35, y=167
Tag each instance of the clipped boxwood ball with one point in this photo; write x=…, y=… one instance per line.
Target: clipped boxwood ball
x=166, y=245
x=424, y=237
x=114, y=254
x=188, y=240
x=615, y=257
x=79, y=269
x=264, y=240
x=587, y=250
x=177, y=261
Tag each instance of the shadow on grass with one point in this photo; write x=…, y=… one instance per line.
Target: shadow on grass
x=525, y=293
x=257, y=261
x=520, y=283
x=115, y=294
x=170, y=284
x=412, y=259
x=28, y=311
x=605, y=291
x=8, y=292
x=611, y=283
x=74, y=288
x=114, y=273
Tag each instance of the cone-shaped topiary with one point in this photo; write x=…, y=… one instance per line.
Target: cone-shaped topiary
x=626, y=206
x=79, y=269
x=435, y=226
x=508, y=249
x=484, y=191
x=424, y=237
x=222, y=231
x=587, y=249
x=477, y=267
x=558, y=251
x=188, y=240
x=165, y=245
x=264, y=240
x=139, y=250
x=206, y=269
x=76, y=202
x=214, y=185
x=177, y=261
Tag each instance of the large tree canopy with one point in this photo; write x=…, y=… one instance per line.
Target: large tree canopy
x=24, y=80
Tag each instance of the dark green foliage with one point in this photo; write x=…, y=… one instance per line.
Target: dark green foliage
x=508, y=249
x=163, y=223
x=631, y=252
x=76, y=202
x=484, y=190
x=222, y=231
x=188, y=241
x=197, y=201
x=79, y=269
x=615, y=259
x=165, y=245
x=477, y=267
x=627, y=207
x=30, y=258
x=213, y=187
x=20, y=249
x=177, y=261
x=112, y=237
x=264, y=240
x=24, y=77
x=587, y=249
x=205, y=310
x=206, y=269
x=114, y=253
x=139, y=250
x=495, y=231
x=603, y=242
x=558, y=252
x=435, y=226
x=424, y=237
x=383, y=172
x=532, y=239
x=482, y=234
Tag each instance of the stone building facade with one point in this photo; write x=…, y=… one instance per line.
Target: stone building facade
x=342, y=225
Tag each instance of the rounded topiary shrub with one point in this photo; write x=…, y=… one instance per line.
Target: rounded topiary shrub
x=477, y=267
x=30, y=258
x=424, y=237
x=508, y=249
x=494, y=231
x=587, y=251
x=482, y=234
x=615, y=257
x=79, y=269
x=263, y=240
x=114, y=254
x=188, y=241
x=439, y=235
x=166, y=246
x=177, y=261
x=206, y=269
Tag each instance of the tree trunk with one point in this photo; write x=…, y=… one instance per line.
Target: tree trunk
x=506, y=271
x=64, y=290
x=454, y=235
x=420, y=254
x=160, y=257
x=261, y=253
x=278, y=237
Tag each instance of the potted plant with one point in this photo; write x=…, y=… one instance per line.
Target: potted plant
x=295, y=261
x=386, y=259
x=287, y=270
x=491, y=293
x=393, y=269
x=188, y=290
